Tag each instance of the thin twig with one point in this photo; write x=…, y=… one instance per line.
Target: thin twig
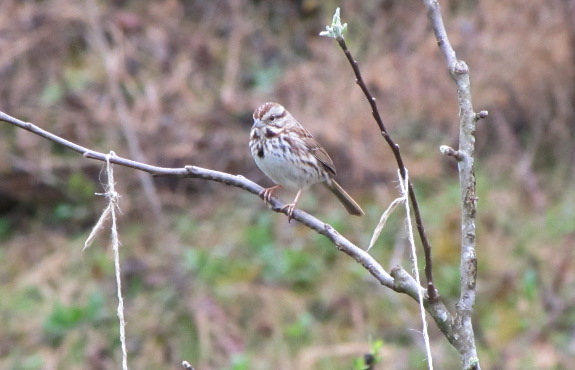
x=450, y=152
x=432, y=293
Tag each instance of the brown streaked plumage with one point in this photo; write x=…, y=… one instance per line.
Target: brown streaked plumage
x=289, y=155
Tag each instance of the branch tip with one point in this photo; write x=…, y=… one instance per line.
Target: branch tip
x=481, y=115
x=449, y=151
x=336, y=30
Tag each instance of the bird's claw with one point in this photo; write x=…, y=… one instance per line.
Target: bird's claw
x=290, y=208
x=268, y=193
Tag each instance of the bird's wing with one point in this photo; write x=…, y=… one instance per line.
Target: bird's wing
x=319, y=153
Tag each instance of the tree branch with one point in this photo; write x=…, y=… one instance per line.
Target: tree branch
x=467, y=123
x=399, y=280
x=431, y=291
x=238, y=181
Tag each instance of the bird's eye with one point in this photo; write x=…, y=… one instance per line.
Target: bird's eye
x=272, y=118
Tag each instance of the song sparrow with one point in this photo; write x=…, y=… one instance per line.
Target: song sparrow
x=287, y=153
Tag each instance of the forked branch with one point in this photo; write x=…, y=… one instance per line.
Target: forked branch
x=459, y=71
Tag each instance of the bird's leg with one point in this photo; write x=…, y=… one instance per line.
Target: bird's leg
x=268, y=193
x=290, y=207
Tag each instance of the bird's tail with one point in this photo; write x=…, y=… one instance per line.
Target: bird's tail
x=350, y=205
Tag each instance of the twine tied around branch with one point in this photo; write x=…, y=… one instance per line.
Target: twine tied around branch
x=113, y=200
x=110, y=211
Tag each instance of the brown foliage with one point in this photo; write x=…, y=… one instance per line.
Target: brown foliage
x=191, y=73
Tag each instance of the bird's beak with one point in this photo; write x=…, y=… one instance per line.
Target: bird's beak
x=258, y=123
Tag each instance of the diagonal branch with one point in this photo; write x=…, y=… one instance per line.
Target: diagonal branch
x=238, y=181
x=398, y=280
x=431, y=291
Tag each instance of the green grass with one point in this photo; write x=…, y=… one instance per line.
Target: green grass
x=245, y=289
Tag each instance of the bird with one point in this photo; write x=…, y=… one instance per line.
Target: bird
x=289, y=155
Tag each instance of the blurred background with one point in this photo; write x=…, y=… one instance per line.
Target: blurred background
x=210, y=275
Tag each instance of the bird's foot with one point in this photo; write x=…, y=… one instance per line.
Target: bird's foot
x=290, y=208
x=268, y=193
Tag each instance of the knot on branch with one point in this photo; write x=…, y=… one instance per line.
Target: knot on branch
x=432, y=293
x=402, y=281
x=481, y=115
x=449, y=151
x=459, y=68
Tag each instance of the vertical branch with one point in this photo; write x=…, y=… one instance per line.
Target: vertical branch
x=467, y=120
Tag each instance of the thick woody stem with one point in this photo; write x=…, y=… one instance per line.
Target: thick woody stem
x=464, y=155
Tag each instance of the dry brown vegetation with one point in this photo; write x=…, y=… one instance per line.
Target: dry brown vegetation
x=175, y=83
